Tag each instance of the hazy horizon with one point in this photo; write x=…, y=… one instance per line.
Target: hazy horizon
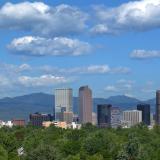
x=19, y=95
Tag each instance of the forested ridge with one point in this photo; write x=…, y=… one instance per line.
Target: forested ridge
x=88, y=143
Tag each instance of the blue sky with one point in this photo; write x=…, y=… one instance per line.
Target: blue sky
x=112, y=46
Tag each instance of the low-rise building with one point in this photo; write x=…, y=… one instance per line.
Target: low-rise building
x=74, y=125
x=37, y=119
x=55, y=123
x=18, y=122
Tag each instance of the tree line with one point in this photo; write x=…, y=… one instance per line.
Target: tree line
x=87, y=143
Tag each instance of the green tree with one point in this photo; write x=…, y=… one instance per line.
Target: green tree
x=75, y=157
x=13, y=156
x=42, y=152
x=3, y=154
x=95, y=157
x=92, y=145
x=130, y=150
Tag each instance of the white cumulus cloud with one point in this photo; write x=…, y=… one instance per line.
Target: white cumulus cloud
x=121, y=86
x=101, y=29
x=44, y=80
x=58, y=46
x=137, y=15
x=19, y=77
x=145, y=54
x=111, y=88
x=23, y=77
x=40, y=18
x=98, y=69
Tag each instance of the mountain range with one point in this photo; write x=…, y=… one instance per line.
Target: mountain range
x=22, y=106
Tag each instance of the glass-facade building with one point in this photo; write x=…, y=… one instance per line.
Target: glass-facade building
x=104, y=115
x=145, y=108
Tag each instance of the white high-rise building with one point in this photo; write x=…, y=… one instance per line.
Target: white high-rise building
x=63, y=101
x=132, y=117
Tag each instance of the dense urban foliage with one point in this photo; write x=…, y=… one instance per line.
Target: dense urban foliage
x=88, y=143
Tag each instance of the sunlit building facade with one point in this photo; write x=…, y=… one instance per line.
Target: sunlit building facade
x=63, y=102
x=85, y=105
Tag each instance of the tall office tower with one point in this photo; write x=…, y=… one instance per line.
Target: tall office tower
x=145, y=108
x=85, y=105
x=158, y=107
x=132, y=117
x=63, y=102
x=104, y=115
x=115, y=117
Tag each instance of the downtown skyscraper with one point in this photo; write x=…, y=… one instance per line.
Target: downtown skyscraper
x=145, y=108
x=63, y=103
x=85, y=105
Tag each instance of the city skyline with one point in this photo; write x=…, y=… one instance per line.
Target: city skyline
x=103, y=44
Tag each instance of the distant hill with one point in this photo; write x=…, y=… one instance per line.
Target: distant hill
x=22, y=106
